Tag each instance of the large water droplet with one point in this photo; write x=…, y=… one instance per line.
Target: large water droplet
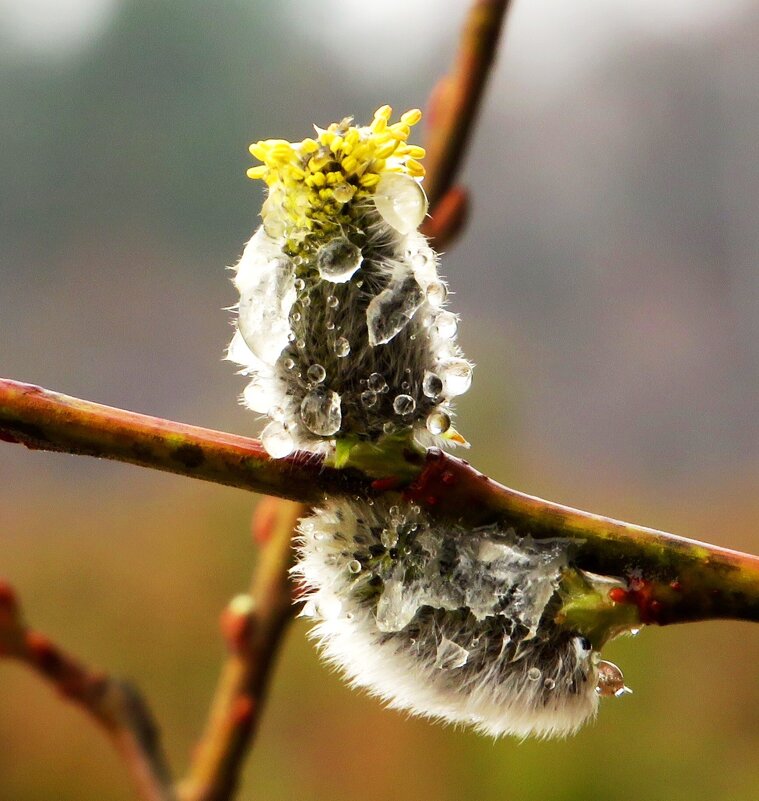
x=276, y=440
x=449, y=655
x=321, y=412
x=438, y=423
x=432, y=385
x=401, y=201
x=338, y=260
x=404, y=404
x=390, y=312
x=267, y=293
x=457, y=376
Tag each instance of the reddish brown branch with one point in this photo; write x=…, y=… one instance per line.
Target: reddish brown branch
x=714, y=582
x=453, y=108
x=114, y=704
x=253, y=625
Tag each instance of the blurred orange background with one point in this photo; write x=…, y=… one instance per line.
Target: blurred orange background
x=608, y=284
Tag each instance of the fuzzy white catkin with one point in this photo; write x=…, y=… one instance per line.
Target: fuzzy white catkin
x=343, y=331
x=444, y=622
x=341, y=321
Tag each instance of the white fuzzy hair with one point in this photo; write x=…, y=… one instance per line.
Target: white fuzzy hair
x=470, y=639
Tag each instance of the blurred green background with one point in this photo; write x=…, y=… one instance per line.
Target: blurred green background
x=609, y=290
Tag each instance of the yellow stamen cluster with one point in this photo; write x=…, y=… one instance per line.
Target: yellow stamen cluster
x=312, y=183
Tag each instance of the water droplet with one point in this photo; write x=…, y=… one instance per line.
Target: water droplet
x=306, y=301
x=549, y=684
x=276, y=440
x=299, y=284
x=354, y=566
x=301, y=343
x=438, y=423
x=376, y=382
x=338, y=260
x=389, y=428
x=277, y=413
x=389, y=537
x=332, y=302
x=295, y=317
x=267, y=293
x=533, y=674
x=343, y=192
x=437, y=292
x=634, y=632
x=457, y=376
x=368, y=398
x=289, y=363
x=401, y=201
x=342, y=347
x=446, y=324
x=321, y=412
x=432, y=386
x=449, y=655
x=611, y=681
x=316, y=374
x=391, y=311
x=404, y=404
x=330, y=325
x=259, y=395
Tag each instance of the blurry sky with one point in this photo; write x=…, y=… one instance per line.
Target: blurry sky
x=608, y=284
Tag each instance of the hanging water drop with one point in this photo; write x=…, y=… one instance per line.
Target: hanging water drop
x=321, y=412
x=276, y=440
x=611, y=681
x=401, y=201
x=446, y=324
x=457, y=376
x=338, y=260
x=437, y=292
x=438, y=423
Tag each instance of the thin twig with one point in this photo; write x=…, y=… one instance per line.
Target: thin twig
x=114, y=704
x=253, y=626
x=452, y=112
x=688, y=580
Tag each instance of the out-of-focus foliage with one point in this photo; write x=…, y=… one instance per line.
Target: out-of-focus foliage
x=609, y=290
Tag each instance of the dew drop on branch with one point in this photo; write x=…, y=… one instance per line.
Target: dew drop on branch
x=401, y=201
x=276, y=440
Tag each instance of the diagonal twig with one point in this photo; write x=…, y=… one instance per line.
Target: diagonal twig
x=253, y=625
x=116, y=705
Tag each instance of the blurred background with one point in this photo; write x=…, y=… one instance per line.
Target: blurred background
x=608, y=284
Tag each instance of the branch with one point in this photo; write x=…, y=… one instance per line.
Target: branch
x=253, y=625
x=114, y=704
x=452, y=113
x=671, y=579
